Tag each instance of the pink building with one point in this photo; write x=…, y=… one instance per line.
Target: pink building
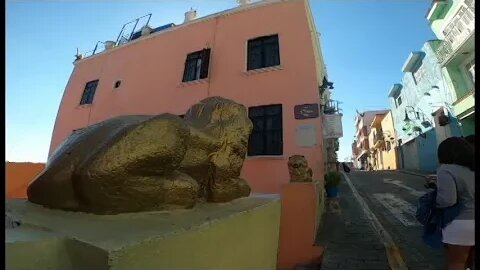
x=265, y=55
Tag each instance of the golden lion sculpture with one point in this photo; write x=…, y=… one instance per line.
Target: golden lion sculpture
x=145, y=163
x=298, y=169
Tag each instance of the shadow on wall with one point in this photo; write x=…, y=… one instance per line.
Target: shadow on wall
x=18, y=175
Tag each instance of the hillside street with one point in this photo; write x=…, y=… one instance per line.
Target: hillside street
x=391, y=198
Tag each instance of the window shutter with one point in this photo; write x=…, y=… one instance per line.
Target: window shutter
x=267, y=133
x=273, y=142
x=263, y=52
x=185, y=71
x=205, y=63
x=254, y=59
x=272, y=55
x=256, y=144
x=89, y=92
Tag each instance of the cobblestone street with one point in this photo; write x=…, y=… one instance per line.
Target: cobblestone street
x=350, y=239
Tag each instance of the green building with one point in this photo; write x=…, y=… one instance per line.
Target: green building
x=453, y=22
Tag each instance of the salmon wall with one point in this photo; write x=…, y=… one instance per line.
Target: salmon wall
x=18, y=176
x=299, y=224
x=151, y=70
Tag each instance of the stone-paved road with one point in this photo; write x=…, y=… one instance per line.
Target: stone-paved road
x=393, y=196
x=350, y=241
x=354, y=244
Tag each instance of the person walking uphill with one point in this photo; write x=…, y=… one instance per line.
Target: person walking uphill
x=456, y=184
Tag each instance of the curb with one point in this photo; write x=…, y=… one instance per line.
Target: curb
x=413, y=173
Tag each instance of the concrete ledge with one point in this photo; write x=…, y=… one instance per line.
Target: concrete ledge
x=29, y=247
x=242, y=234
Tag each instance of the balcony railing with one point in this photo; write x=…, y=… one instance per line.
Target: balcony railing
x=378, y=139
x=460, y=28
x=331, y=107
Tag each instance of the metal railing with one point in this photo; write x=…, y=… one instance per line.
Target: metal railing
x=126, y=35
x=331, y=107
x=460, y=28
x=97, y=49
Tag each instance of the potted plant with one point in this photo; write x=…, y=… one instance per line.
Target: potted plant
x=332, y=179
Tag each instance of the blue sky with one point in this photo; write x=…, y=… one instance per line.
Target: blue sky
x=364, y=44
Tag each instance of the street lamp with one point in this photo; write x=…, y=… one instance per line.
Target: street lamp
x=407, y=119
x=446, y=107
x=410, y=124
x=424, y=122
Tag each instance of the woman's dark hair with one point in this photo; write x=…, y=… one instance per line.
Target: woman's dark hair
x=456, y=150
x=470, y=139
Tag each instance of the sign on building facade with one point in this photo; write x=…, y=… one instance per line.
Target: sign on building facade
x=306, y=136
x=306, y=111
x=332, y=126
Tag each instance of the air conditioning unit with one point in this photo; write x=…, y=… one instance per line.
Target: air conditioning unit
x=190, y=15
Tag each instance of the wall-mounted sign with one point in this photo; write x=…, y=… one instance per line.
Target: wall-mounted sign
x=332, y=126
x=306, y=136
x=306, y=111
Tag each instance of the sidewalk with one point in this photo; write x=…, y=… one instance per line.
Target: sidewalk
x=350, y=241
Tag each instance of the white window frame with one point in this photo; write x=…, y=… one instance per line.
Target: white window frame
x=396, y=100
x=466, y=71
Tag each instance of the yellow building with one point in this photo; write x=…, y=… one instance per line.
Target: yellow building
x=382, y=141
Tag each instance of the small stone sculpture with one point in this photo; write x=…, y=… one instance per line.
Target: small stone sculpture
x=298, y=169
x=144, y=163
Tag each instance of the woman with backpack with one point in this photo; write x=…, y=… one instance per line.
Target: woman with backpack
x=456, y=187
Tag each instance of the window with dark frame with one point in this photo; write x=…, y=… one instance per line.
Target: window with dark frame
x=398, y=101
x=89, y=92
x=263, y=52
x=267, y=134
x=196, y=65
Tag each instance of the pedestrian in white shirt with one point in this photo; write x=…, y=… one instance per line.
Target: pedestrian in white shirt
x=456, y=184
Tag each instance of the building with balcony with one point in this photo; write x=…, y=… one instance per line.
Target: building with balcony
x=453, y=22
x=354, y=149
x=422, y=110
x=251, y=54
x=363, y=123
x=383, y=143
x=331, y=143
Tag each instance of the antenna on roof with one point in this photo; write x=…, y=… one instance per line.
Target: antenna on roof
x=78, y=56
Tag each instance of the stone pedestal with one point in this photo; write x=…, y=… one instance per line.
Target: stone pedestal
x=302, y=206
x=242, y=234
